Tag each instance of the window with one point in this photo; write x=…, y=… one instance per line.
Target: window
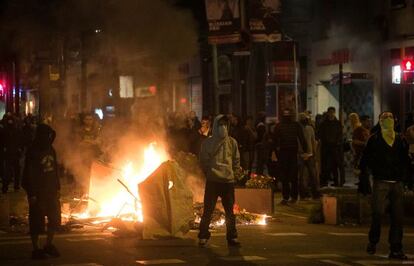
x=126, y=87
x=224, y=67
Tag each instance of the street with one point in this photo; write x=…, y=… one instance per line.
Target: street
x=284, y=241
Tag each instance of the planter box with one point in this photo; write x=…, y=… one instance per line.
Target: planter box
x=256, y=200
x=343, y=206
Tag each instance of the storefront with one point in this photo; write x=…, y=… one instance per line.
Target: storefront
x=361, y=69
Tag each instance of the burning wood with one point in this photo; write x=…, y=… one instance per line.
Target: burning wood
x=162, y=200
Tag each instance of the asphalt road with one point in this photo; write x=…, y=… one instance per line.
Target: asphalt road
x=284, y=241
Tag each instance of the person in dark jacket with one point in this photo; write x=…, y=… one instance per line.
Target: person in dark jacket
x=236, y=130
x=12, y=138
x=248, y=141
x=194, y=122
x=286, y=138
x=386, y=155
x=41, y=182
x=331, y=138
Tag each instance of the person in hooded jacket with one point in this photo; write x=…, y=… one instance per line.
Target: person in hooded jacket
x=219, y=159
x=41, y=182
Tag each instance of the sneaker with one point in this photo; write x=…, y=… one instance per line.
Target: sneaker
x=38, y=254
x=398, y=255
x=284, y=202
x=202, y=242
x=371, y=248
x=51, y=250
x=233, y=242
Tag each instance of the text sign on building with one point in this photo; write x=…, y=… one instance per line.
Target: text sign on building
x=340, y=56
x=264, y=20
x=223, y=21
x=283, y=71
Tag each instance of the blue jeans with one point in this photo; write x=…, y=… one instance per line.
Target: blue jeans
x=383, y=192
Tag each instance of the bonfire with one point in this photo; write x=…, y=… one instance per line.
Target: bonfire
x=114, y=201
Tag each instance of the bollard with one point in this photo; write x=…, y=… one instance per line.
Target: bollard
x=330, y=209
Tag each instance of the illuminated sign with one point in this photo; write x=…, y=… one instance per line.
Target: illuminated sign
x=396, y=74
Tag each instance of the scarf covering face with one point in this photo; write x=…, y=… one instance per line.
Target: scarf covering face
x=387, y=130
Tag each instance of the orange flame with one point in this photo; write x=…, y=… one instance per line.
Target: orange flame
x=113, y=199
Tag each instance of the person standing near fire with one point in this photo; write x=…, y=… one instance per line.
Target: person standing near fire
x=386, y=155
x=89, y=148
x=41, y=182
x=219, y=159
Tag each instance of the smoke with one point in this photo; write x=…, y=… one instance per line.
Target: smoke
x=364, y=47
x=197, y=186
x=148, y=40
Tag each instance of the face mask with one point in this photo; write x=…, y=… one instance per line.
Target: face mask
x=387, y=124
x=222, y=131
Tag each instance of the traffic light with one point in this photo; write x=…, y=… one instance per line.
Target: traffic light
x=407, y=65
x=2, y=89
x=407, y=68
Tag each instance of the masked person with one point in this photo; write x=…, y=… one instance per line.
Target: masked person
x=286, y=138
x=219, y=159
x=41, y=182
x=386, y=155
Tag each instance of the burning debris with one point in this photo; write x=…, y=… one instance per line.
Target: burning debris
x=167, y=202
x=148, y=199
x=242, y=217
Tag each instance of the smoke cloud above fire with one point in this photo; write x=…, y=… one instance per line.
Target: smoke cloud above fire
x=149, y=39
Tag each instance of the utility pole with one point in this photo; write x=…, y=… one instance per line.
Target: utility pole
x=295, y=67
x=62, y=72
x=84, y=72
x=16, y=86
x=216, y=85
x=341, y=104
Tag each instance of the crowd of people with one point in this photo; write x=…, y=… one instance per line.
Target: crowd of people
x=302, y=154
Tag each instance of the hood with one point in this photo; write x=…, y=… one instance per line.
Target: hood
x=216, y=132
x=44, y=136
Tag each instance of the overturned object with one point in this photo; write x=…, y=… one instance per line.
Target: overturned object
x=167, y=203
